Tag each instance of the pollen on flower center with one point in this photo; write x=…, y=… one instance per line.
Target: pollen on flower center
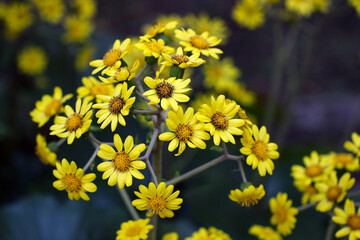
x=98, y=90
x=333, y=193
x=184, y=132
x=180, y=58
x=220, y=121
x=164, y=89
x=116, y=104
x=314, y=170
x=154, y=47
x=157, y=204
x=199, y=42
x=112, y=56
x=260, y=149
x=354, y=222
x=133, y=231
x=121, y=161
x=344, y=158
x=52, y=108
x=249, y=200
x=310, y=190
x=281, y=214
x=74, y=122
x=71, y=182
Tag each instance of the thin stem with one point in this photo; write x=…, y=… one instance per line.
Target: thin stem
x=124, y=195
x=242, y=172
x=92, y=158
x=137, y=79
x=304, y=207
x=94, y=139
x=153, y=175
x=60, y=142
x=141, y=111
x=330, y=230
x=225, y=148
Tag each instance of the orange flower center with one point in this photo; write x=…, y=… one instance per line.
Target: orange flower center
x=248, y=200
x=133, y=231
x=220, y=121
x=98, y=90
x=260, y=150
x=74, y=122
x=199, y=42
x=121, y=161
x=112, y=56
x=71, y=182
x=116, y=104
x=354, y=222
x=157, y=204
x=180, y=59
x=52, y=108
x=184, y=132
x=154, y=47
x=333, y=193
x=314, y=170
x=280, y=214
x=310, y=190
x=164, y=89
x=344, y=158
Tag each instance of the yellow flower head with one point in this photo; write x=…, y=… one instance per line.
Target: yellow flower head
x=349, y=219
x=75, y=123
x=212, y=234
x=17, y=18
x=120, y=75
x=85, y=8
x=167, y=92
x=170, y=236
x=185, y=129
x=181, y=60
x=123, y=165
x=92, y=88
x=77, y=29
x=49, y=106
x=157, y=200
x=247, y=197
x=218, y=118
x=260, y=152
x=154, y=48
x=115, y=107
x=199, y=43
x=353, y=146
x=50, y=10
x=72, y=179
x=43, y=152
x=112, y=58
x=283, y=215
x=134, y=230
x=345, y=160
x=159, y=28
x=32, y=61
x=309, y=192
x=332, y=191
x=249, y=14
x=303, y=8
x=242, y=115
x=264, y=233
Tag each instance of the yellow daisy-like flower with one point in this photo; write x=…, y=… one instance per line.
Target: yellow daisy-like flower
x=43, y=152
x=212, y=234
x=353, y=146
x=75, y=123
x=92, y=88
x=157, y=200
x=73, y=180
x=303, y=8
x=264, y=233
x=159, y=28
x=181, y=60
x=85, y=8
x=32, y=61
x=120, y=75
x=123, y=165
x=112, y=58
x=115, y=107
x=260, y=152
x=309, y=192
x=18, y=17
x=77, y=29
x=49, y=106
x=332, y=191
x=170, y=236
x=154, y=47
x=196, y=43
x=185, y=130
x=249, y=196
x=50, y=10
x=316, y=169
x=345, y=161
x=283, y=215
x=134, y=230
x=218, y=119
x=349, y=219
x=249, y=13
x=167, y=92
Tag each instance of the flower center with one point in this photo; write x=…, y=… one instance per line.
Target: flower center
x=343, y=158
x=280, y=214
x=333, y=193
x=133, y=231
x=354, y=222
x=52, y=108
x=157, y=204
x=184, y=132
x=198, y=41
x=164, y=89
x=74, y=122
x=112, y=56
x=310, y=190
x=260, y=149
x=116, y=104
x=314, y=170
x=248, y=200
x=98, y=90
x=154, y=47
x=180, y=59
x=220, y=121
x=121, y=161
x=71, y=182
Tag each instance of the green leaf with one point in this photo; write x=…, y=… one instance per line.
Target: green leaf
x=161, y=180
x=92, y=165
x=95, y=128
x=177, y=173
x=149, y=136
x=52, y=146
x=217, y=149
x=245, y=185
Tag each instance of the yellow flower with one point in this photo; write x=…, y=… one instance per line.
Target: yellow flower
x=309, y=192
x=73, y=180
x=242, y=115
x=247, y=197
x=75, y=123
x=350, y=219
x=92, y=88
x=260, y=152
x=212, y=234
x=32, y=61
x=85, y=8
x=120, y=75
x=185, y=130
x=112, y=58
x=218, y=119
x=303, y=8
x=199, y=99
x=154, y=48
x=83, y=57
x=322, y=5
x=356, y=5
x=316, y=169
x=50, y=10
x=264, y=233
x=77, y=29
x=198, y=43
x=43, y=152
x=218, y=74
x=332, y=191
x=115, y=107
x=157, y=200
x=167, y=92
x=134, y=230
x=181, y=60
x=283, y=215
x=249, y=13
x=170, y=236
x=18, y=17
x=49, y=106
x=345, y=160
x=353, y=146
x=159, y=28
